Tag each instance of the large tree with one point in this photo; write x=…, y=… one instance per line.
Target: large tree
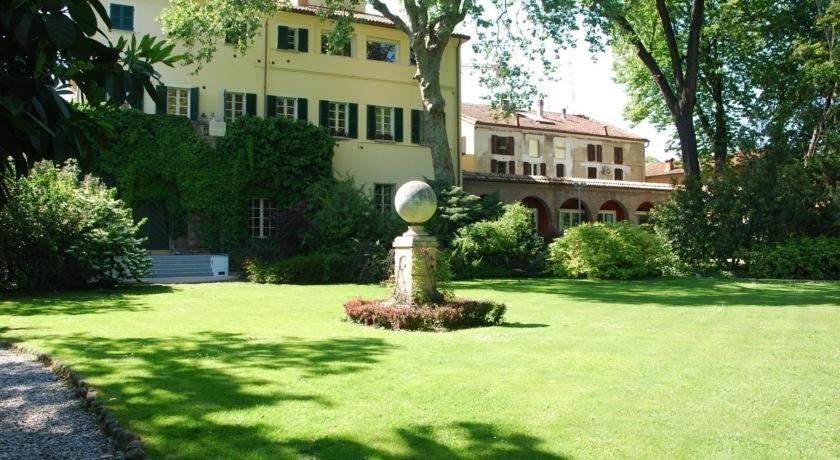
x=428, y=24
x=46, y=45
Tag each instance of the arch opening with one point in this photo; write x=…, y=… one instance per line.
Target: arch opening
x=611, y=212
x=540, y=213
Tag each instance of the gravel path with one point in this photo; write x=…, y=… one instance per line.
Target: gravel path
x=40, y=419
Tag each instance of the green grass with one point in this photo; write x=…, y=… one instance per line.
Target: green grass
x=669, y=368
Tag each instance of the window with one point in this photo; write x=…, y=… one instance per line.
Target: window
x=534, y=147
x=592, y=173
x=383, y=197
x=337, y=119
x=285, y=107
x=122, y=16
x=559, y=148
x=500, y=145
x=606, y=217
x=418, y=127
x=178, y=101
x=594, y=153
x=560, y=170
x=262, y=214
x=412, y=58
x=325, y=47
x=642, y=217
x=570, y=218
x=501, y=167
x=619, y=174
x=234, y=106
x=533, y=169
x=618, y=153
x=381, y=51
x=290, y=37
x=384, y=123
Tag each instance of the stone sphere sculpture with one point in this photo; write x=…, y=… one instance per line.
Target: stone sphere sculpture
x=415, y=202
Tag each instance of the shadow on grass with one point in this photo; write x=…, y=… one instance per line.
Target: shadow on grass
x=189, y=396
x=85, y=302
x=674, y=292
x=480, y=440
x=523, y=325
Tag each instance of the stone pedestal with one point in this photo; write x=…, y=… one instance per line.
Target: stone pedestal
x=415, y=262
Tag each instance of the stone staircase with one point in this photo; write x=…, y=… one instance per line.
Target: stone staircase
x=180, y=266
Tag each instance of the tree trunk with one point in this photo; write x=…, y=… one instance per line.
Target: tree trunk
x=721, y=138
x=428, y=75
x=688, y=143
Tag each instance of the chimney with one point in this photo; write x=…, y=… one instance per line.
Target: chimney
x=670, y=164
x=541, y=106
x=564, y=113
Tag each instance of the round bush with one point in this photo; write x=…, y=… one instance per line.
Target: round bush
x=447, y=315
x=609, y=251
x=804, y=257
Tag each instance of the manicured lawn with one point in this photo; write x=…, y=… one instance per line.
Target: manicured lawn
x=675, y=368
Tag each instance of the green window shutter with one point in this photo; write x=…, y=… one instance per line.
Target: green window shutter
x=398, y=124
x=302, y=109
x=282, y=37
x=160, y=106
x=415, y=125
x=251, y=103
x=270, y=106
x=115, y=16
x=194, y=104
x=371, y=122
x=303, y=40
x=324, y=113
x=354, y=121
x=128, y=17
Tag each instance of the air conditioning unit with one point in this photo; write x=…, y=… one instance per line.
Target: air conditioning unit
x=606, y=170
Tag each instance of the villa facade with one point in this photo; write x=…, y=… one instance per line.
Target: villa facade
x=568, y=168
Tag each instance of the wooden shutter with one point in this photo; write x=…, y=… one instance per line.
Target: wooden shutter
x=160, y=103
x=302, y=109
x=542, y=169
x=371, y=122
x=415, y=125
x=590, y=152
x=250, y=103
x=194, y=104
x=128, y=17
x=592, y=173
x=494, y=165
x=599, y=152
x=619, y=155
x=510, y=145
x=493, y=144
x=398, y=124
x=270, y=106
x=354, y=121
x=303, y=40
x=511, y=165
x=282, y=37
x=526, y=168
x=324, y=113
x=116, y=16
x=619, y=174
x=559, y=170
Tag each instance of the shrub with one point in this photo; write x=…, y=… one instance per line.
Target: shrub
x=317, y=268
x=59, y=231
x=609, y=251
x=804, y=257
x=457, y=209
x=452, y=314
x=508, y=246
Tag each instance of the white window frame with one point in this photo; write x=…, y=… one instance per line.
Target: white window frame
x=535, y=169
x=334, y=117
x=261, y=225
x=387, y=42
x=175, y=109
x=234, y=115
x=571, y=213
x=607, y=212
x=351, y=42
x=282, y=106
x=559, y=148
x=383, y=122
x=639, y=214
x=384, y=202
x=292, y=39
x=534, y=152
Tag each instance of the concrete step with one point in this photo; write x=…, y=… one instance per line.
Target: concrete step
x=179, y=273
x=180, y=266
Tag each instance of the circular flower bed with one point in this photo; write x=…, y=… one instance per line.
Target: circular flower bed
x=447, y=315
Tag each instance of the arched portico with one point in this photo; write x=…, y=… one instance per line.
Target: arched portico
x=611, y=211
x=541, y=214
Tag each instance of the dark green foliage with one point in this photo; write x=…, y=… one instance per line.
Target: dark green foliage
x=47, y=44
x=59, y=232
x=317, y=268
x=609, y=251
x=508, y=246
x=803, y=257
x=765, y=200
x=448, y=315
x=457, y=208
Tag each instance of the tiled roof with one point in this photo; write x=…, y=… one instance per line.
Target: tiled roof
x=571, y=123
x=599, y=183
x=661, y=168
x=367, y=18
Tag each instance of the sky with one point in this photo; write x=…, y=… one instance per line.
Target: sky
x=585, y=86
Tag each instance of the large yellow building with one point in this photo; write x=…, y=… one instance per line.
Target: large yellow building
x=366, y=96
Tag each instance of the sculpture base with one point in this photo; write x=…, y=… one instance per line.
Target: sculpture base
x=415, y=263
